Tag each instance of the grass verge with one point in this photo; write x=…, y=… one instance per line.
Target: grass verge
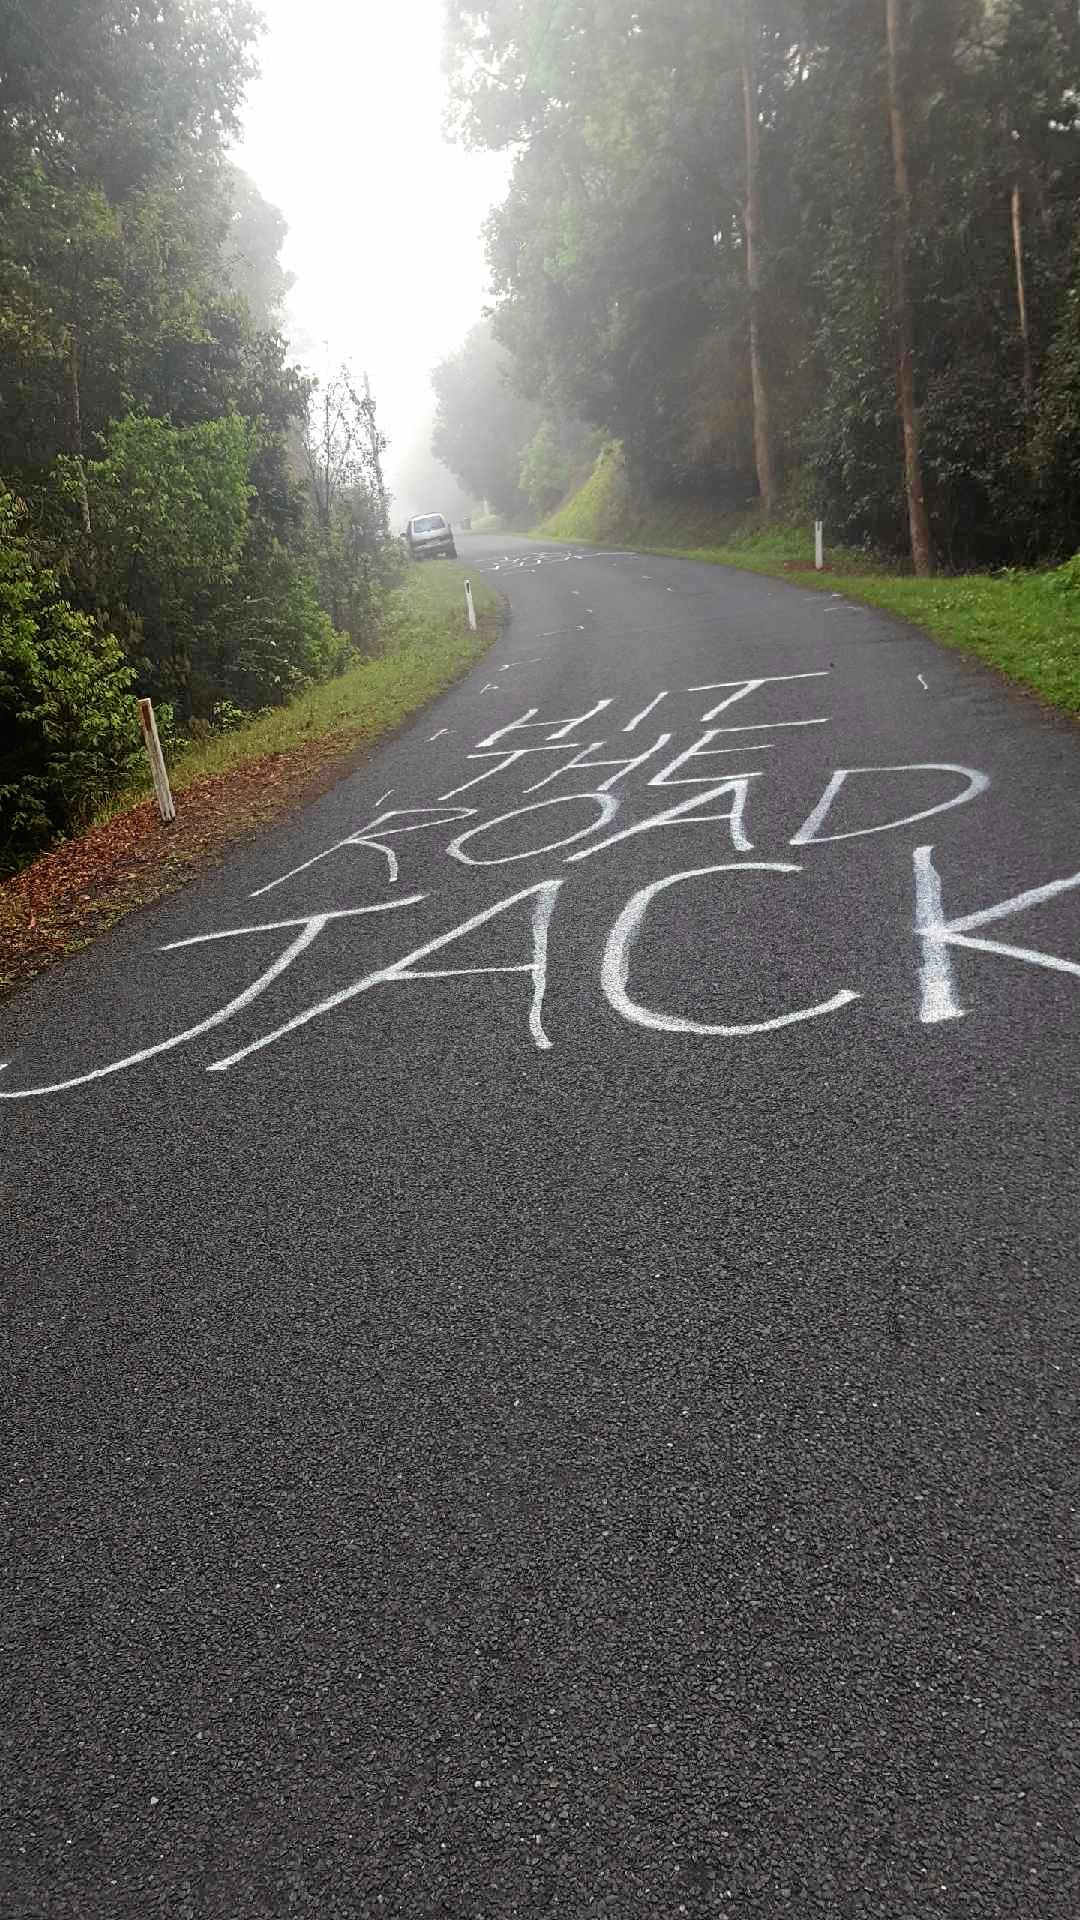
x=1027, y=625
x=231, y=786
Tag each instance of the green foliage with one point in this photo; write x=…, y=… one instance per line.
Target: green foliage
x=173, y=498
x=120, y=92
x=556, y=459
x=169, y=516
x=599, y=507
x=268, y=637
x=217, y=607
x=1067, y=577
x=619, y=257
x=67, y=719
x=226, y=717
x=426, y=645
x=148, y=417
x=519, y=455
x=542, y=476
x=1056, y=449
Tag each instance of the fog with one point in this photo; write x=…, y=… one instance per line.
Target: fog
x=344, y=133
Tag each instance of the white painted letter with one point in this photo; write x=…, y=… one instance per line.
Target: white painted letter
x=701, y=751
x=616, y=964
x=420, y=818
x=607, y=803
x=503, y=760
x=639, y=717
x=744, y=687
x=938, y=999
x=310, y=927
x=683, y=814
x=543, y=897
x=976, y=783
x=555, y=729
x=581, y=759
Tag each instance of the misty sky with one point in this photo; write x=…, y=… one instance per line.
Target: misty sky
x=344, y=134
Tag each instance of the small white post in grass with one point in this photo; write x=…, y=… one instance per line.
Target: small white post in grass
x=162, y=789
x=819, y=545
x=470, y=608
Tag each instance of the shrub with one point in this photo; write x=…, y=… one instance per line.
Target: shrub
x=170, y=510
x=1056, y=443
x=68, y=725
x=267, y=638
x=1067, y=578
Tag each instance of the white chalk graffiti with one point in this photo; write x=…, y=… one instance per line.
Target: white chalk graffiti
x=937, y=935
x=555, y=729
x=743, y=688
x=543, y=896
x=608, y=806
x=645, y=711
x=593, y=821
x=419, y=818
x=549, y=557
x=310, y=928
x=615, y=968
x=976, y=783
x=685, y=813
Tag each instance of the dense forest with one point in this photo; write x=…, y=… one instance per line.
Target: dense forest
x=821, y=250
x=181, y=514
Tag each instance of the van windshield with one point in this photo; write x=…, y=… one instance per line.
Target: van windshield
x=431, y=523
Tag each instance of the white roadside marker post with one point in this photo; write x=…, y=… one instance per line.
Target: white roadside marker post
x=162, y=789
x=470, y=608
x=819, y=545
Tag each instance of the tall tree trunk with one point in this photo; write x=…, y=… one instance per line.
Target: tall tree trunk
x=77, y=432
x=1021, y=293
x=375, y=445
x=752, y=223
x=921, y=546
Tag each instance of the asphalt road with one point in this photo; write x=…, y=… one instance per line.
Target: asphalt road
x=584, y=1422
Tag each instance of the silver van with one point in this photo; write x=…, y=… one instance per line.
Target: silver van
x=430, y=533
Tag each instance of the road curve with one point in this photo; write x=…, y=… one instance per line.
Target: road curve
x=541, y=1306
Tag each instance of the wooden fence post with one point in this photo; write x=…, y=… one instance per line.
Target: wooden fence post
x=162, y=789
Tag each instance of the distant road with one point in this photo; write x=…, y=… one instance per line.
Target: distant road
x=543, y=1306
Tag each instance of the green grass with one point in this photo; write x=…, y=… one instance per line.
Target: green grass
x=1027, y=625
x=426, y=644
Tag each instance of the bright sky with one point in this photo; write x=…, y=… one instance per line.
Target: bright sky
x=344, y=134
